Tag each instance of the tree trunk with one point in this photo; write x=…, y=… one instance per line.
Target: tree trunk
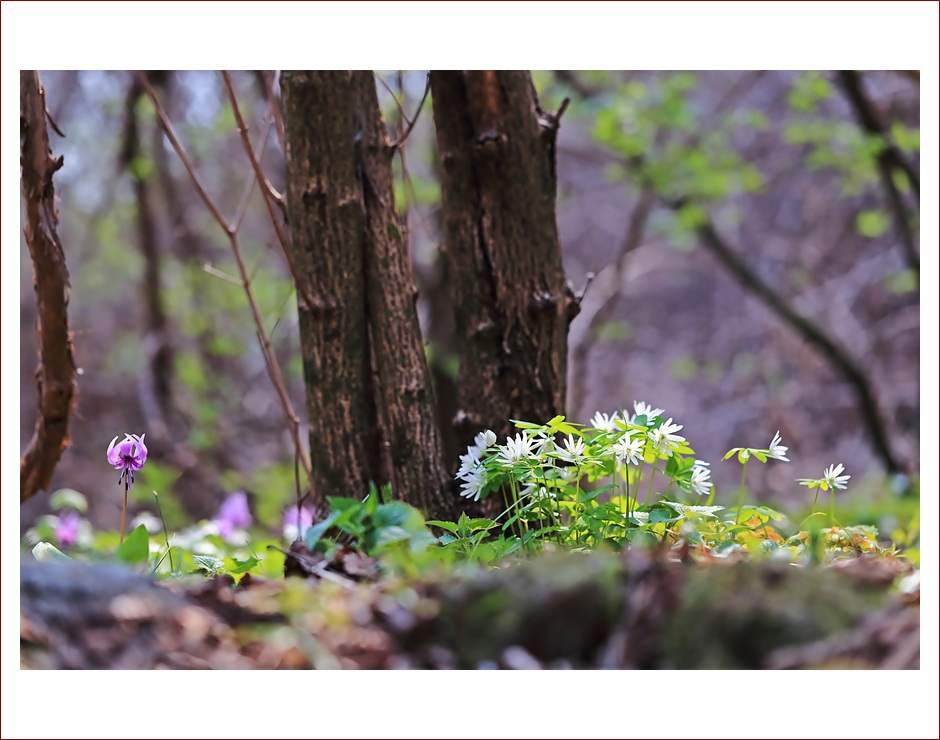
x=327, y=229
x=56, y=373
x=404, y=392
x=501, y=246
x=351, y=255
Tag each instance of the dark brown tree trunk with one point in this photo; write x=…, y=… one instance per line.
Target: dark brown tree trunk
x=325, y=210
x=404, y=391
x=56, y=373
x=351, y=255
x=502, y=252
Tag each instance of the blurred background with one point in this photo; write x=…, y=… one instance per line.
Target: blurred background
x=747, y=243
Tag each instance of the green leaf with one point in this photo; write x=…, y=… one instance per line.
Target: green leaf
x=525, y=424
x=684, y=367
x=314, y=533
x=613, y=331
x=390, y=534
x=208, y=563
x=47, y=553
x=136, y=547
x=480, y=523
x=871, y=223
x=68, y=498
x=446, y=539
x=449, y=526
x=903, y=281
x=661, y=514
x=242, y=566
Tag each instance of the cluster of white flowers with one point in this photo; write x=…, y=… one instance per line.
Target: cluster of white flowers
x=700, y=477
x=471, y=470
x=515, y=449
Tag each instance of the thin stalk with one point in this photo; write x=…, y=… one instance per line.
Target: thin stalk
x=124, y=508
x=649, y=487
x=577, y=497
x=743, y=493
x=166, y=536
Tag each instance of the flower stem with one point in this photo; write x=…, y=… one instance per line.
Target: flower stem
x=814, y=502
x=124, y=510
x=743, y=493
x=649, y=487
x=166, y=536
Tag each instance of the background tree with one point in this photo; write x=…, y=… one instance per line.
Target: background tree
x=502, y=254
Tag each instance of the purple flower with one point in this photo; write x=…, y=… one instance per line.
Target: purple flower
x=66, y=531
x=128, y=456
x=297, y=522
x=233, y=514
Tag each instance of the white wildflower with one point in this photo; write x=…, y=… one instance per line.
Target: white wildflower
x=575, y=450
x=515, y=449
x=644, y=409
x=474, y=482
x=484, y=440
x=699, y=481
x=664, y=437
x=469, y=461
x=776, y=450
x=833, y=478
x=604, y=422
x=628, y=450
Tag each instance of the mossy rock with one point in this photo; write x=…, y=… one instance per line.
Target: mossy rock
x=733, y=616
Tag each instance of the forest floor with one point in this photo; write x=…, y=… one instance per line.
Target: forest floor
x=640, y=609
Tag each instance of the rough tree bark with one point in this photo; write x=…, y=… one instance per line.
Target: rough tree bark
x=55, y=376
x=501, y=248
x=369, y=394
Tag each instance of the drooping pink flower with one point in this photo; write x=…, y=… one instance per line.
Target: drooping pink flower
x=128, y=456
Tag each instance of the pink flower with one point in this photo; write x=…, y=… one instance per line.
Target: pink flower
x=66, y=531
x=233, y=514
x=128, y=456
x=296, y=523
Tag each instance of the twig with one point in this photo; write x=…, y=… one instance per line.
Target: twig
x=269, y=194
x=871, y=121
x=230, y=230
x=811, y=332
x=411, y=124
x=889, y=159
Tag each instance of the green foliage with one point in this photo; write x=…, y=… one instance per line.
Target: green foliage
x=136, y=547
x=872, y=223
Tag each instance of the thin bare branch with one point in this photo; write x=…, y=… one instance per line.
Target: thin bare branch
x=841, y=360
x=271, y=364
x=411, y=124
x=890, y=159
x=271, y=197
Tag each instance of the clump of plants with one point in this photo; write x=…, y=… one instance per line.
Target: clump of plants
x=626, y=479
